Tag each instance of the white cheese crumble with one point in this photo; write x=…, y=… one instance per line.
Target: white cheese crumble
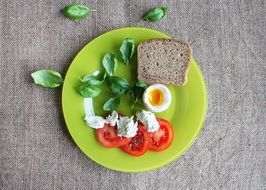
x=126, y=127
x=149, y=120
x=95, y=122
x=112, y=119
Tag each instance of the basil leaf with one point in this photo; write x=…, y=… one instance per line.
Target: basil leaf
x=112, y=103
x=127, y=49
x=155, y=14
x=110, y=63
x=92, y=79
x=137, y=92
x=88, y=91
x=118, y=85
x=77, y=11
x=47, y=78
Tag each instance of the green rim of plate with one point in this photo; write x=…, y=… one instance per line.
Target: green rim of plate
x=187, y=111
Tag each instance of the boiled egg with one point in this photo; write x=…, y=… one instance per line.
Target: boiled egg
x=157, y=98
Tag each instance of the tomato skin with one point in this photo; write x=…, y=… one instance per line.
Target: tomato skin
x=163, y=137
x=107, y=137
x=138, y=144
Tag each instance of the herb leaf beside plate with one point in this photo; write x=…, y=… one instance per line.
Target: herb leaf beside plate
x=77, y=11
x=47, y=78
x=155, y=14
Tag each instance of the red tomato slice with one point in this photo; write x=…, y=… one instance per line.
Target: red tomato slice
x=138, y=144
x=163, y=137
x=107, y=136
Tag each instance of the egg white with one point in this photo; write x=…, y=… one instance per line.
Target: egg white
x=166, y=100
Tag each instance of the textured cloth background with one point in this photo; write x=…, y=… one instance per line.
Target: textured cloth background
x=228, y=40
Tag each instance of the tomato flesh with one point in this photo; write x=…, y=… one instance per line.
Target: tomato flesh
x=163, y=137
x=138, y=144
x=107, y=137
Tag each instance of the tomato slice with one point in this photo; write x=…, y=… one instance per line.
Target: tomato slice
x=107, y=136
x=163, y=137
x=139, y=144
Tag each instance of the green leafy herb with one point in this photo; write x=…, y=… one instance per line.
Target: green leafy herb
x=47, y=78
x=77, y=11
x=155, y=14
x=110, y=63
x=118, y=85
x=112, y=103
x=88, y=91
x=137, y=92
x=92, y=79
x=127, y=49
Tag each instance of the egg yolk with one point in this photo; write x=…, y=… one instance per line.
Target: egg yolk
x=156, y=97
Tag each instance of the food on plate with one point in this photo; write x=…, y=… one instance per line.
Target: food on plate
x=159, y=60
x=108, y=137
x=164, y=61
x=157, y=98
x=139, y=144
x=148, y=119
x=163, y=137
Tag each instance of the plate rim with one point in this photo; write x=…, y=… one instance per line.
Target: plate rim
x=192, y=140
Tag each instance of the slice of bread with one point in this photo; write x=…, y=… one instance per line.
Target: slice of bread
x=164, y=61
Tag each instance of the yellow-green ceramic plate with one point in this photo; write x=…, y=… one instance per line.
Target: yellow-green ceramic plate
x=186, y=113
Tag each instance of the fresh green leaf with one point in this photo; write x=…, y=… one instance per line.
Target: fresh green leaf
x=92, y=79
x=155, y=14
x=77, y=11
x=118, y=85
x=47, y=78
x=110, y=63
x=137, y=92
x=112, y=103
x=88, y=91
x=127, y=50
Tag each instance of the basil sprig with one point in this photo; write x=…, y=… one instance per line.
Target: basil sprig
x=109, y=63
x=137, y=92
x=92, y=79
x=118, y=85
x=88, y=91
x=77, y=11
x=155, y=14
x=127, y=50
x=112, y=103
x=47, y=78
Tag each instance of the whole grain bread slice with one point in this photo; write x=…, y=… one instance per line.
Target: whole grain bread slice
x=164, y=61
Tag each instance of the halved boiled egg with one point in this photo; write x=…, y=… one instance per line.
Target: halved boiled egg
x=157, y=98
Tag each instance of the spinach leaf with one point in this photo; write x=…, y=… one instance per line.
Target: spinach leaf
x=112, y=103
x=88, y=91
x=47, y=78
x=77, y=11
x=155, y=14
x=110, y=63
x=92, y=79
x=127, y=50
x=118, y=85
x=137, y=92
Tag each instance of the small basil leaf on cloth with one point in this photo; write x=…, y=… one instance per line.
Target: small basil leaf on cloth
x=77, y=11
x=88, y=91
x=155, y=14
x=47, y=78
x=118, y=85
x=127, y=50
x=112, y=103
x=110, y=63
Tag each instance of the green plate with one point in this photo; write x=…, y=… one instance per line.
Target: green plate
x=186, y=113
